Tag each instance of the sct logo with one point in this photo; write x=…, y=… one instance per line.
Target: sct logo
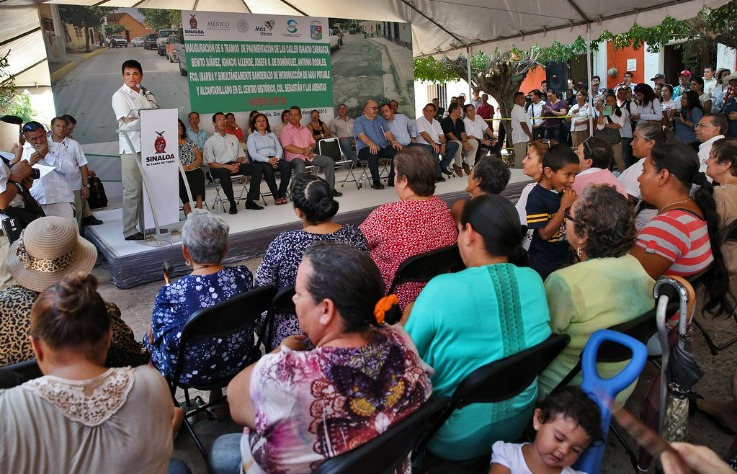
x=292, y=26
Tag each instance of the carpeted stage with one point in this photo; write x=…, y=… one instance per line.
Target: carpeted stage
x=251, y=232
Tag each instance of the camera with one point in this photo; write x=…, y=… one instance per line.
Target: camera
x=35, y=173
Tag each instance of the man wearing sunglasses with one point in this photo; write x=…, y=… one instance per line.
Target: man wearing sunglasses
x=52, y=190
x=127, y=103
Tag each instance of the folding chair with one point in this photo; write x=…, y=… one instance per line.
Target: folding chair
x=330, y=147
x=281, y=303
x=242, y=313
x=604, y=391
x=426, y=266
x=386, y=452
x=501, y=380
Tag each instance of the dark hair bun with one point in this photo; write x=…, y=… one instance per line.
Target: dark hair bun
x=312, y=195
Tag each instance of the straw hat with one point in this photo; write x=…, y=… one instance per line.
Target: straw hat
x=731, y=77
x=47, y=250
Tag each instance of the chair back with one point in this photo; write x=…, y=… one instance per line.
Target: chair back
x=426, y=266
x=244, y=312
x=281, y=303
x=604, y=391
x=390, y=449
x=502, y=379
x=330, y=147
x=18, y=373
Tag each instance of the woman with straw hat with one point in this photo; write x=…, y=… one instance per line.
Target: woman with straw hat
x=49, y=249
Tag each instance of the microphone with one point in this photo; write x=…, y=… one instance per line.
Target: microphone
x=148, y=95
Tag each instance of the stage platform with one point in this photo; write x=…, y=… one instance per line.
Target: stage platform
x=134, y=263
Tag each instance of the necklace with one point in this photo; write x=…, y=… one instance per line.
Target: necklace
x=202, y=267
x=673, y=204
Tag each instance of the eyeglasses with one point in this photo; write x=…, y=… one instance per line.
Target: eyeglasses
x=547, y=142
x=699, y=125
x=31, y=126
x=587, y=148
x=567, y=215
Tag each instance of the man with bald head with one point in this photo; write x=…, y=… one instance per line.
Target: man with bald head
x=374, y=140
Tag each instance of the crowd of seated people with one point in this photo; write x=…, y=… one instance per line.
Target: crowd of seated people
x=335, y=376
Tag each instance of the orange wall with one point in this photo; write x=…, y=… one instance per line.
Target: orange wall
x=533, y=79
x=133, y=27
x=619, y=59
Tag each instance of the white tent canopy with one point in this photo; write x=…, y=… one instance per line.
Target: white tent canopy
x=452, y=26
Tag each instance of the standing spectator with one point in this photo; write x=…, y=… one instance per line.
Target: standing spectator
x=341, y=127
x=580, y=113
x=710, y=82
x=485, y=110
x=87, y=217
x=554, y=108
x=439, y=111
x=476, y=100
x=617, y=120
x=79, y=182
x=225, y=157
x=668, y=105
x=684, y=82
x=52, y=191
x=374, y=141
x=534, y=112
x=648, y=106
x=194, y=132
x=521, y=129
x=697, y=85
x=627, y=81
x=717, y=94
x=626, y=130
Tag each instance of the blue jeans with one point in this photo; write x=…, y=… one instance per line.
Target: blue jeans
x=346, y=146
x=629, y=160
x=225, y=455
x=177, y=466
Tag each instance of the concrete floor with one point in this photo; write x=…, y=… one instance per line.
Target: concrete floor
x=136, y=304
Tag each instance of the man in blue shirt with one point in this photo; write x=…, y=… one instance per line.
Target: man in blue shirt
x=374, y=141
x=403, y=129
x=194, y=133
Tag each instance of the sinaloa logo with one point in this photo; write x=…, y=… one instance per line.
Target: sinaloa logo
x=160, y=143
x=292, y=26
x=192, y=22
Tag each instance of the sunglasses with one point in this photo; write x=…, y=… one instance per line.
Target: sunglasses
x=587, y=148
x=31, y=126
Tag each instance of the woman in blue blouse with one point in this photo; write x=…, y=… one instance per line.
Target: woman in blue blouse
x=264, y=148
x=685, y=122
x=204, y=244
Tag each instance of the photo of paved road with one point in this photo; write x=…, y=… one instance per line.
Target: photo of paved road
x=362, y=70
x=86, y=92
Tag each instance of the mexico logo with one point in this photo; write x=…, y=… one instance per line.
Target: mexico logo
x=242, y=25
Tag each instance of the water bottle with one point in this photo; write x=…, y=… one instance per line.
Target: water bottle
x=362, y=182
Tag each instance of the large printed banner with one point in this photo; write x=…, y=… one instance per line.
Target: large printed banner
x=160, y=159
x=264, y=62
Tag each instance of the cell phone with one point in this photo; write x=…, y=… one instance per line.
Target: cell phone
x=168, y=269
x=607, y=111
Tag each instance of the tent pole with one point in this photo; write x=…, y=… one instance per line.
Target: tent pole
x=468, y=69
x=588, y=71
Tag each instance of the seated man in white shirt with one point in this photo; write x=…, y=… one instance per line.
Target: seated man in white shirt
x=430, y=133
x=342, y=128
x=52, y=190
x=477, y=129
x=224, y=155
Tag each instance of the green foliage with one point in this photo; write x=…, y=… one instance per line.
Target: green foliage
x=430, y=69
x=113, y=29
x=21, y=106
x=655, y=36
x=81, y=17
x=159, y=19
x=7, y=83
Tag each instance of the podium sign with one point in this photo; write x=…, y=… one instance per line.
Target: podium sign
x=160, y=160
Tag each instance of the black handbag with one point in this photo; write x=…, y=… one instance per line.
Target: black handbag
x=97, y=198
x=609, y=135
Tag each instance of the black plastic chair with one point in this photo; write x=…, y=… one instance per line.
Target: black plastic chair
x=244, y=312
x=389, y=450
x=281, y=303
x=21, y=372
x=425, y=266
x=501, y=380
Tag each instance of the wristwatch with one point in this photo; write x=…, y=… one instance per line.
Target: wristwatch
x=87, y=185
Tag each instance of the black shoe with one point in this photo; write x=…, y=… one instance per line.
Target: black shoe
x=336, y=193
x=91, y=220
x=253, y=206
x=447, y=172
x=377, y=185
x=439, y=179
x=390, y=183
x=233, y=209
x=136, y=236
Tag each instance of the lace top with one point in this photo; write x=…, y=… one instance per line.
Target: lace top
x=90, y=402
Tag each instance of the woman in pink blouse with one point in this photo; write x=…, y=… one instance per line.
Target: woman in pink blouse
x=417, y=223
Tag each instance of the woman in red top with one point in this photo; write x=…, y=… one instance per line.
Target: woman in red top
x=417, y=223
x=232, y=128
